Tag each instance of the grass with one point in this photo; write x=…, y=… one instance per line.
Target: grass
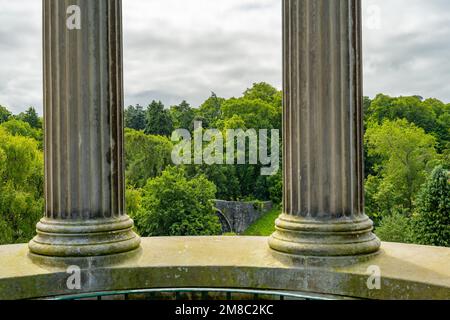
x=265, y=226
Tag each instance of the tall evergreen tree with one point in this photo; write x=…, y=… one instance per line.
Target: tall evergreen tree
x=31, y=117
x=432, y=218
x=135, y=117
x=5, y=115
x=182, y=116
x=210, y=111
x=157, y=120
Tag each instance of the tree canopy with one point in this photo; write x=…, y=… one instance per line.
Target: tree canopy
x=158, y=120
x=135, y=117
x=5, y=115
x=431, y=115
x=31, y=117
x=175, y=206
x=407, y=148
x=432, y=216
x=146, y=156
x=407, y=156
x=21, y=187
x=182, y=116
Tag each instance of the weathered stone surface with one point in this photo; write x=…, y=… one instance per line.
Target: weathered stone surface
x=238, y=216
x=323, y=129
x=407, y=271
x=83, y=99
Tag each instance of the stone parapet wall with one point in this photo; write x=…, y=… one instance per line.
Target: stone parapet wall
x=406, y=271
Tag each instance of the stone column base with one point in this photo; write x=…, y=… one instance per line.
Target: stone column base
x=62, y=238
x=306, y=237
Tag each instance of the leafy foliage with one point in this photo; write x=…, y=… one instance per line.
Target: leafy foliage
x=408, y=154
x=175, y=206
x=5, y=115
x=146, y=156
x=431, y=115
x=21, y=187
x=182, y=116
x=406, y=138
x=21, y=128
x=224, y=178
x=255, y=114
x=432, y=218
x=158, y=120
x=133, y=201
x=135, y=117
x=31, y=117
x=210, y=112
x=275, y=186
x=265, y=92
x=395, y=228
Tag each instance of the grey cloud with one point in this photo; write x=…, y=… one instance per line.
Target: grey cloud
x=409, y=55
x=182, y=50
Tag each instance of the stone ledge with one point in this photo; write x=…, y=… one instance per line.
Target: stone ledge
x=408, y=271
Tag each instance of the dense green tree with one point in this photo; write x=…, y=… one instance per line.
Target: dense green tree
x=408, y=154
x=265, y=92
x=21, y=187
x=255, y=114
x=23, y=161
x=158, y=120
x=20, y=211
x=432, y=217
x=175, y=206
x=442, y=130
x=275, y=184
x=5, y=115
x=248, y=176
x=395, y=228
x=259, y=108
x=366, y=106
x=370, y=161
x=261, y=188
x=135, y=117
x=224, y=178
x=21, y=128
x=406, y=138
x=133, y=201
x=31, y=117
x=146, y=156
x=233, y=122
x=182, y=116
x=431, y=115
x=210, y=112
x=446, y=156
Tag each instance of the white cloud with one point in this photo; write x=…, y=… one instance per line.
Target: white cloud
x=409, y=54
x=178, y=49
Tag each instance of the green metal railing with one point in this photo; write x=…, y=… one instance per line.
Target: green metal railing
x=196, y=294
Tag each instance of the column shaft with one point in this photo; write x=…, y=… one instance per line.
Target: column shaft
x=323, y=131
x=83, y=111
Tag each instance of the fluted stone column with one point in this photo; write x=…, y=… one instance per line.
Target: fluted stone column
x=323, y=132
x=83, y=111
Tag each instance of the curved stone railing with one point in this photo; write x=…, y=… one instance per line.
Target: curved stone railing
x=407, y=271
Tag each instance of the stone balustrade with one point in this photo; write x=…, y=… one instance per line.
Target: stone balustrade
x=407, y=271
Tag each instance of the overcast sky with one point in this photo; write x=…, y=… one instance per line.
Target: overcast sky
x=184, y=49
